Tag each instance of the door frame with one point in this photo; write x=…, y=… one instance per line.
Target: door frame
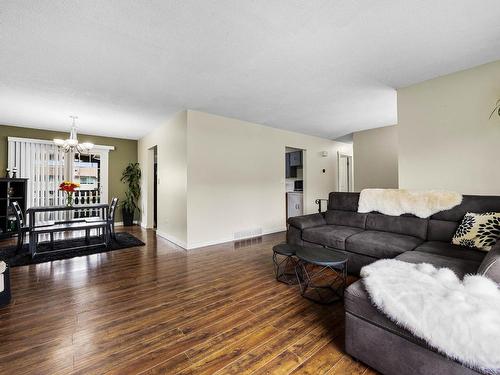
x=350, y=174
x=304, y=177
x=149, y=189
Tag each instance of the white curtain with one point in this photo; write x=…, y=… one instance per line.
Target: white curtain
x=43, y=165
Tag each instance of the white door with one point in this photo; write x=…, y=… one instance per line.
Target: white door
x=344, y=172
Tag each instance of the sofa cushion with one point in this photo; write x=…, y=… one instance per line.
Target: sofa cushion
x=357, y=302
x=390, y=352
x=449, y=250
x=409, y=225
x=307, y=221
x=348, y=218
x=330, y=235
x=343, y=201
x=461, y=267
x=381, y=244
x=470, y=203
x=441, y=230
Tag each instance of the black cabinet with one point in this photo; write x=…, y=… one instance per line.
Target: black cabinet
x=296, y=159
x=293, y=160
x=290, y=172
x=11, y=190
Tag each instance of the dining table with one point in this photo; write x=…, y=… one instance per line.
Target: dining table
x=88, y=217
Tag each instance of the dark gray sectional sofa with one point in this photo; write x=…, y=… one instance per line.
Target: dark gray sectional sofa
x=370, y=336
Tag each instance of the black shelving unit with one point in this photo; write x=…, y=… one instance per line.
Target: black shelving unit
x=11, y=190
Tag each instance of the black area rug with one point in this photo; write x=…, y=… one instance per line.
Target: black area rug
x=23, y=258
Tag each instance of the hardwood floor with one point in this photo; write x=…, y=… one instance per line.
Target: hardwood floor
x=158, y=309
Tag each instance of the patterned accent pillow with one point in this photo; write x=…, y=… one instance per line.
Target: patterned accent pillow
x=479, y=231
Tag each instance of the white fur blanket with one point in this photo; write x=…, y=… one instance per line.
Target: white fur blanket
x=397, y=202
x=460, y=319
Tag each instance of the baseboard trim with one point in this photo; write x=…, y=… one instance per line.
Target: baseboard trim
x=172, y=239
x=199, y=245
x=226, y=240
x=120, y=223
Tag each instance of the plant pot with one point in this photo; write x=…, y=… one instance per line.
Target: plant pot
x=128, y=217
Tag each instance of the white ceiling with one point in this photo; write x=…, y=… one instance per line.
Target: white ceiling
x=321, y=67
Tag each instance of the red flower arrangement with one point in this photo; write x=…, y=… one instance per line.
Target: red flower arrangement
x=69, y=188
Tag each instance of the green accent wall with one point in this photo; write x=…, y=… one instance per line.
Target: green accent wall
x=125, y=152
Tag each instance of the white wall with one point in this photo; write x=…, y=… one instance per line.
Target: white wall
x=236, y=176
x=171, y=142
x=446, y=140
x=376, y=158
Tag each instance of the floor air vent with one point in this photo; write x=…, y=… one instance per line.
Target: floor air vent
x=248, y=233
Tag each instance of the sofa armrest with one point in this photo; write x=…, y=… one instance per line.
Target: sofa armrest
x=307, y=221
x=490, y=266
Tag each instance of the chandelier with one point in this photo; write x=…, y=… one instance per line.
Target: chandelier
x=71, y=144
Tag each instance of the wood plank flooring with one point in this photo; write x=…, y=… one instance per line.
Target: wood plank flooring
x=158, y=309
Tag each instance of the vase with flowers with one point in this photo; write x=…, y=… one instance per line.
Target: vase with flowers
x=69, y=188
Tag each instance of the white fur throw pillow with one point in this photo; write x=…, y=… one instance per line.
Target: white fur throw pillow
x=479, y=231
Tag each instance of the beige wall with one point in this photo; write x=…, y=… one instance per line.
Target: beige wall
x=170, y=140
x=125, y=152
x=446, y=140
x=219, y=176
x=236, y=176
x=375, y=154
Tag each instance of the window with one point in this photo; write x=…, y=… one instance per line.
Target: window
x=45, y=167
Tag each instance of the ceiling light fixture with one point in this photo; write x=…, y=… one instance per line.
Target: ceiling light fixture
x=71, y=144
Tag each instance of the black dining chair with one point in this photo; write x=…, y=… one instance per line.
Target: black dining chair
x=22, y=228
x=111, y=217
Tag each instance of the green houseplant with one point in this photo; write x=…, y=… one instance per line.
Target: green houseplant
x=132, y=177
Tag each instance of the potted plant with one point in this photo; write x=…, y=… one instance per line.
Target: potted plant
x=132, y=177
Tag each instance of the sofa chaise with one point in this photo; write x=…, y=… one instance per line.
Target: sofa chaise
x=367, y=237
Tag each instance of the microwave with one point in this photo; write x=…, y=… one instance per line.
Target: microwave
x=298, y=185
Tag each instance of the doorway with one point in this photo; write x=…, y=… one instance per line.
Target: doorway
x=345, y=175
x=155, y=186
x=294, y=182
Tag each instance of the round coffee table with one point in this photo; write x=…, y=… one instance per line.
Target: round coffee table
x=284, y=263
x=321, y=273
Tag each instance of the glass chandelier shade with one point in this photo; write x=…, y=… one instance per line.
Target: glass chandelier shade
x=72, y=144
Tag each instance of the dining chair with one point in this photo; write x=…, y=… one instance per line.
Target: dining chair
x=22, y=228
x=111, y=217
